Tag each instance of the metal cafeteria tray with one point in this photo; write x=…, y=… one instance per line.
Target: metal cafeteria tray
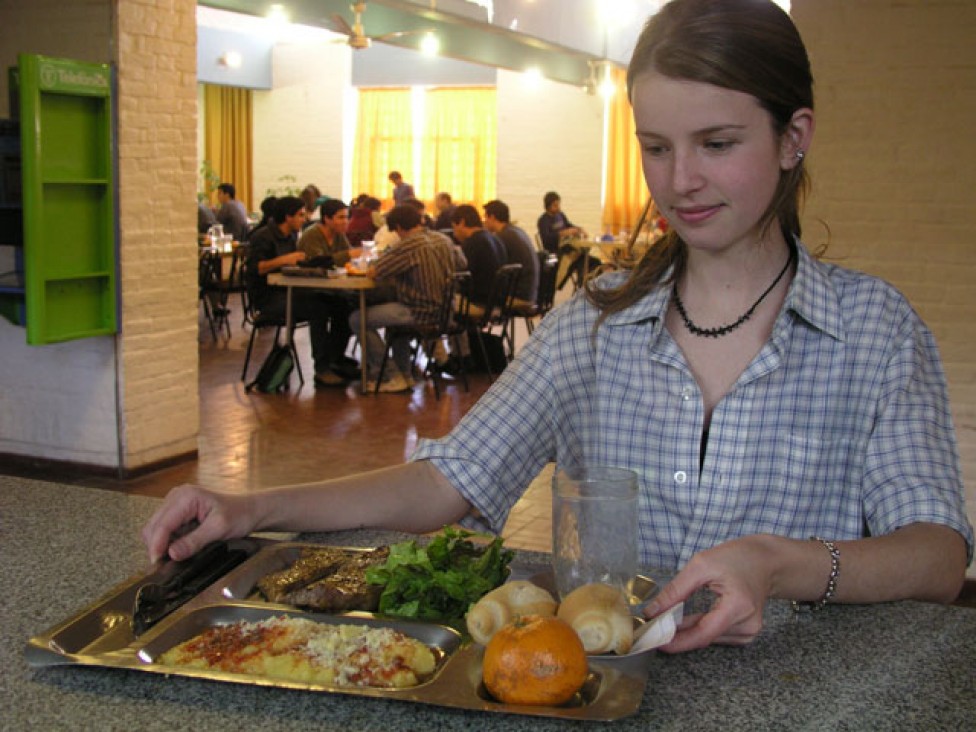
x=101, y=635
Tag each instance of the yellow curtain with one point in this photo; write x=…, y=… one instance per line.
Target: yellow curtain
x=626, y=192
x=384, y=142
x=228, y=137
x=458, y=145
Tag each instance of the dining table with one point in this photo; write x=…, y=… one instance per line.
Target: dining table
x=341, y=282
x=890, y=666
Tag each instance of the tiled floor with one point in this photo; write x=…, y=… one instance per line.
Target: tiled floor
x=250, y=441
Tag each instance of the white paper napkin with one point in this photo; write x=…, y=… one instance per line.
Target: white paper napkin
x=658, y=631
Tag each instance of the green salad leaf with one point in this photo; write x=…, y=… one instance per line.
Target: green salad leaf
x=440, y=580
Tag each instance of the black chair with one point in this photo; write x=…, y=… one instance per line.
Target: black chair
x=425, y=338
x=258, y=321
x=546, y=294
x=482, y=319
x=211, y=293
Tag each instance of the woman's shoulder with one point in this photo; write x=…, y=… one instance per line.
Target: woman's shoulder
x=867, y=302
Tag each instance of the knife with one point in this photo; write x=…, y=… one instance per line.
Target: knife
x=154, y=601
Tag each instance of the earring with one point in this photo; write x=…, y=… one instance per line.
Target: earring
x=800, y=155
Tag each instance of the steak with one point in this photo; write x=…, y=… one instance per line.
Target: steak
x=345, y=589
x=312, y=564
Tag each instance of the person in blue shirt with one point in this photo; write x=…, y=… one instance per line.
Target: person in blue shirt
x=402, y=191
x=788, y=419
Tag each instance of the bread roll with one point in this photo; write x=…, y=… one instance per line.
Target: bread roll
x=601, y=618
x=503, y=603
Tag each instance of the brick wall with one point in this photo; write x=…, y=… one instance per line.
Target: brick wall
x=156, y=57
x=299, y=124
x=894, y=158
x=550, y=137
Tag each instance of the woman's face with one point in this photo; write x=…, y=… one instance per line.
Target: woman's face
x=711, y=159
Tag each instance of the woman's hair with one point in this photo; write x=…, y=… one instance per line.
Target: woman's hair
x=749, y=46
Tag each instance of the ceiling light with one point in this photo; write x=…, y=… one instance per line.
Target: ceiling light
x=430, y=45
x=276, y=14
x=277, y=21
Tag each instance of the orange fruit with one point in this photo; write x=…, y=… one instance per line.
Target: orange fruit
x=534, y=660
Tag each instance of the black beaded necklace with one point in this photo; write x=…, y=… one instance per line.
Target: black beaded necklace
x=726, y=329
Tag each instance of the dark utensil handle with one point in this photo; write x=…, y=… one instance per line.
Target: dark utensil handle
x=146, y=617
x=195, y=566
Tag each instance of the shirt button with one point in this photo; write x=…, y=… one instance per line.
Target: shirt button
x=680, y=477
x=686, y=393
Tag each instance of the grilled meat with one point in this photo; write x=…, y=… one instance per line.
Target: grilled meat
x=345, y=589
x=313, y=564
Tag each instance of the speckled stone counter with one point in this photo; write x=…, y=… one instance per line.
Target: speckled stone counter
x=901, y=666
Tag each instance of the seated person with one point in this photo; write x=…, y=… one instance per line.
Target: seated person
x=445, y=209
x=362, y=227
x=518, y=249
x=555, y=229
x=274, y=246
x=312, y=198
x=425, y=220
x=267, y=213
x=327, y=236
x=385, y=239
x=418, y=268
x=484, y=252
x=205, y=217
x=231, y=215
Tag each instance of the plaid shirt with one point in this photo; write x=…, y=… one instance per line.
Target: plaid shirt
x=839, y=427
x=419, y=267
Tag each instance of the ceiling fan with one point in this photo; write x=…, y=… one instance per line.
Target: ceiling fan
x=356, y=37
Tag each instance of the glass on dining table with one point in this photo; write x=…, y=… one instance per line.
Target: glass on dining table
x=367, y=253
x=594, y=528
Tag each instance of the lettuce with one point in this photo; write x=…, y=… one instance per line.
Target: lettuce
x=440, y=580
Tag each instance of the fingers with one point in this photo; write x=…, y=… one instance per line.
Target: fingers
x=183, y=505
x=676, y=591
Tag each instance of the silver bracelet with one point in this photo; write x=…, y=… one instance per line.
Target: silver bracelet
x=831, y=580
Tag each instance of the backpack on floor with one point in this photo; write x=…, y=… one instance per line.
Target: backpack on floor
x=275, y=373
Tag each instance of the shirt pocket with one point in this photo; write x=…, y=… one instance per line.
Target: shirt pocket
x=814, y=488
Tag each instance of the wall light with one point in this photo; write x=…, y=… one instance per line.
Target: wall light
x=231, y=59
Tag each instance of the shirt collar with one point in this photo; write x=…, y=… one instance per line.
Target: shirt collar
x=812, y=297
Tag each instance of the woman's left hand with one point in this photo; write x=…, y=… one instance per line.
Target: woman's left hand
x=738, y=573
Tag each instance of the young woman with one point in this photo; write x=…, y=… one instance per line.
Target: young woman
x=788, y=419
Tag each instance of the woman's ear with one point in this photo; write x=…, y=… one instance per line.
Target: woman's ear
x=796, y=140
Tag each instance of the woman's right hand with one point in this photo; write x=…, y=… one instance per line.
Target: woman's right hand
x=219, y=515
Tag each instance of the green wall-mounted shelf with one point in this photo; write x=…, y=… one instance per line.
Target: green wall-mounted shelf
x=68, y=199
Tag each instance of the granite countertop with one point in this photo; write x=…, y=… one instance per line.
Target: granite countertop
x=902, y=666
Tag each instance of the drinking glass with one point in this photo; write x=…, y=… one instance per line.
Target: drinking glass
x=594, y=528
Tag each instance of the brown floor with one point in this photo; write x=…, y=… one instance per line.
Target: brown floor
x=250, y=441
